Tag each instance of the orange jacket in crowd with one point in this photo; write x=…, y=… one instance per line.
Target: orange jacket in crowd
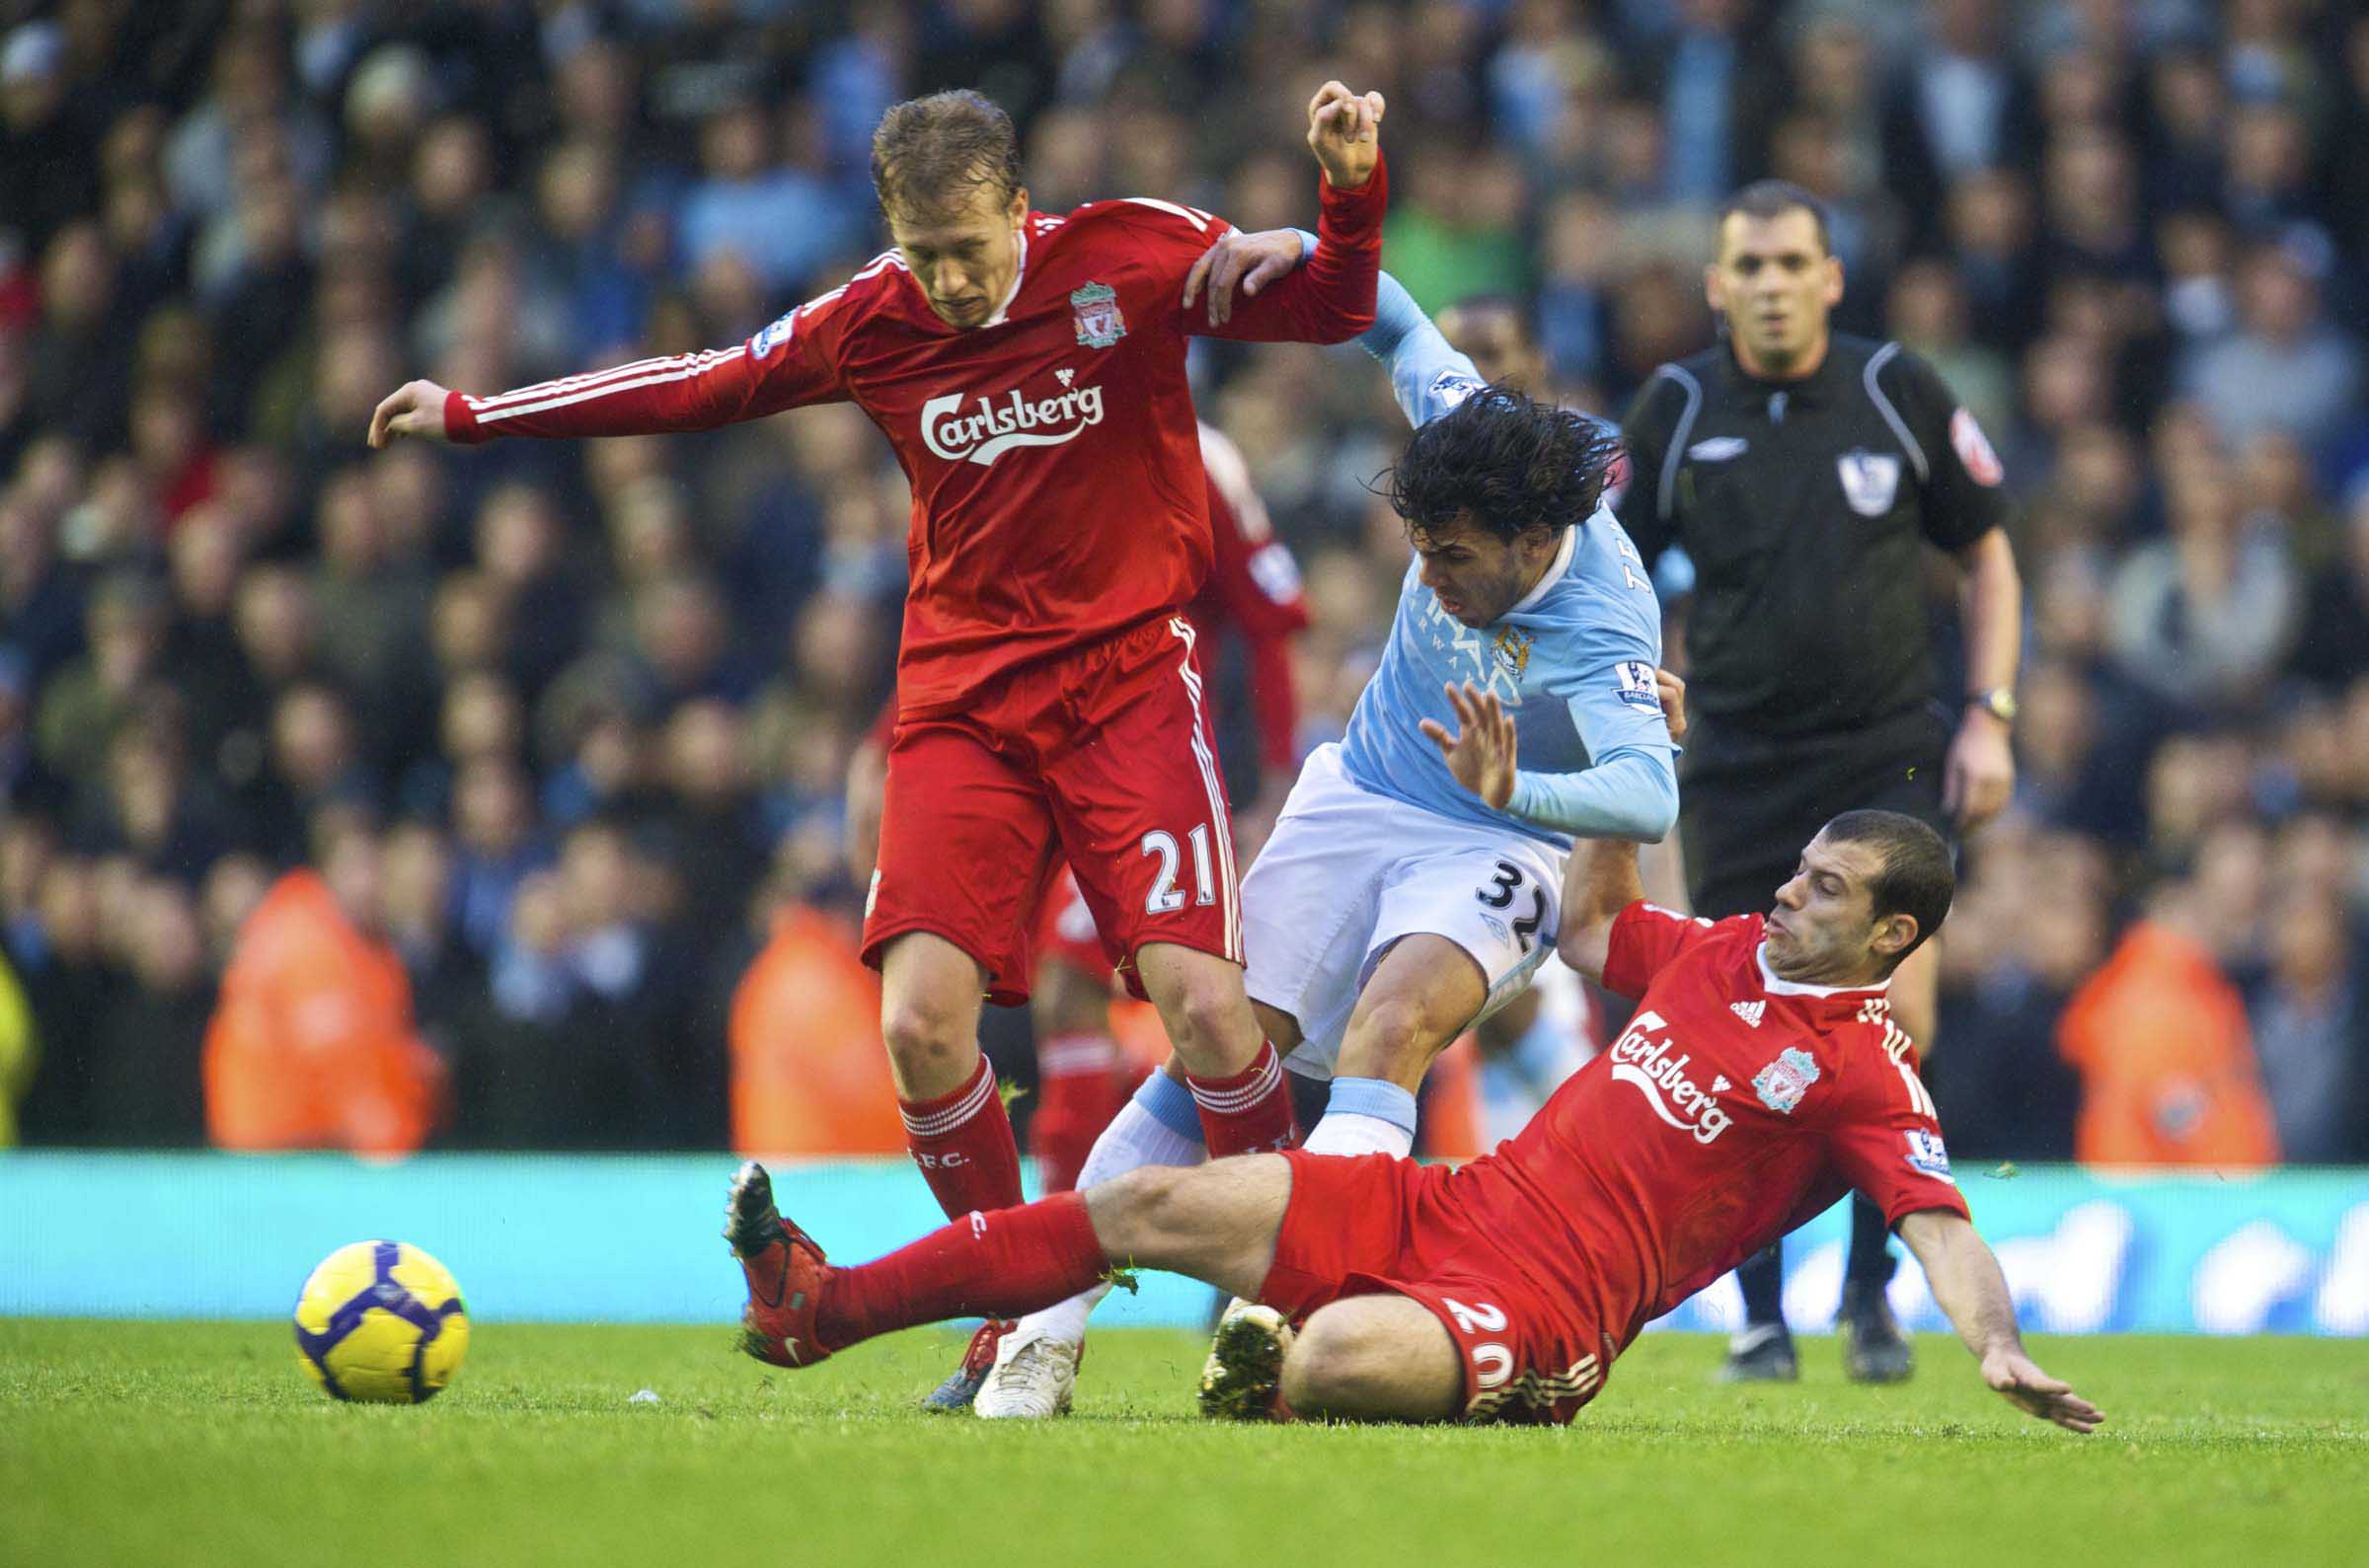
x=313, y=1046
x=809, y=1074
x=2167, y=1070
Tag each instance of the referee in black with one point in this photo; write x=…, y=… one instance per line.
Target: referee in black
x=1803, y=472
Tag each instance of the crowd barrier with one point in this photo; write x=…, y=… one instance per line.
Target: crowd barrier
x=557, y=1238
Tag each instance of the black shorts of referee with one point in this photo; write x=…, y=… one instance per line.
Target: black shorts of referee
x=1747, y=802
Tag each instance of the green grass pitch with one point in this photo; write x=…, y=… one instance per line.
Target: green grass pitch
x=140, y=1442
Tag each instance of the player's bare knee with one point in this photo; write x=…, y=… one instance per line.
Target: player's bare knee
x=926, y=1038
x=1408, y=1022
x=1202, y=1014
x=1337, y=1365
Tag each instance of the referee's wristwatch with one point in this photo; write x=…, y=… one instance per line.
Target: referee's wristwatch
x=1999, y=702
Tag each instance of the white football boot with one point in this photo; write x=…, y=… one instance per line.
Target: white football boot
x=1031, y=1379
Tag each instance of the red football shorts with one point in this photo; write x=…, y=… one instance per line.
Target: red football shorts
x=1105, y=757
x=1368, y=1224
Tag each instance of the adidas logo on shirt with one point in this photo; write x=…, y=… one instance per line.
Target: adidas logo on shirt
x=1749, y=1012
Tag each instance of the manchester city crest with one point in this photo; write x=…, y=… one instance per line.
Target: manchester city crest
x=1513, y=650
x=1096, y=307
x=1782, y=1083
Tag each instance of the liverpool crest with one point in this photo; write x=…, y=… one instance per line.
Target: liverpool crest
x=1100, y=324
x=1782, y=1083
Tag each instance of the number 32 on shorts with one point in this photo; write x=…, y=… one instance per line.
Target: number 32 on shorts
x=1166, y=898
x=1498, y=893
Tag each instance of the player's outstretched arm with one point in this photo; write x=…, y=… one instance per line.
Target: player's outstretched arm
x=1426, y=373
x=649, y=396
x=1243, y=262
x=1625, y=795
x=415, y=409
x=1630, y=788
x=1602, y=876
x=1968, y=1287
x=1600, y=880
x=1330, y=298
x=786, y=364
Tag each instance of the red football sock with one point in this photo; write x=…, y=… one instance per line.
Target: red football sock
x=983, y=1265
x=1248, y=1112
x=1080, y=1087
x=962, y=1142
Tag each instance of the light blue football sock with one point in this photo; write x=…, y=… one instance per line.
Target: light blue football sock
x=1170, y=1103
x=1377, y=1097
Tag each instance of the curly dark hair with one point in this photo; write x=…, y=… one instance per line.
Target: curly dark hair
x=928, y=154
x=1513, y=464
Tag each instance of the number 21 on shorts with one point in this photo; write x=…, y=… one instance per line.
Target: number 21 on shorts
x=1166, y=898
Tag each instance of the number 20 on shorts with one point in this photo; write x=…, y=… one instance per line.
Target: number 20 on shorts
x=1493, y=1362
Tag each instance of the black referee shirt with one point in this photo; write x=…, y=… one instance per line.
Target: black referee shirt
x=1805, y=506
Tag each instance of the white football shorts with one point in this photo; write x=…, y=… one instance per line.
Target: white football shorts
x=1347, y=872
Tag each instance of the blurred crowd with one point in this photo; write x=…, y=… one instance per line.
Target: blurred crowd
x=560, y=731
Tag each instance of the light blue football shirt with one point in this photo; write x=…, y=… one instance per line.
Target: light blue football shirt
x=1573, y=661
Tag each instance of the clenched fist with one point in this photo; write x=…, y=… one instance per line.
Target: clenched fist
x=1344, y=132
x=416, y=408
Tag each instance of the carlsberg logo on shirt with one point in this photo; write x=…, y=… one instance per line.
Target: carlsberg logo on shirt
x=1641, y=1059
x=962, y=428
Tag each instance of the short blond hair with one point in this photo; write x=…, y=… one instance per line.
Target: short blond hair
x=930, y=154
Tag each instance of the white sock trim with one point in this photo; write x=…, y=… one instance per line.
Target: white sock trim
x=1348, y=1133
x=1234, y=1101
x=937, y=1124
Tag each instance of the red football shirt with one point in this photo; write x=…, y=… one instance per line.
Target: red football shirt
x=1254, y=588
x=1734, y=1107
x=1057, y=481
